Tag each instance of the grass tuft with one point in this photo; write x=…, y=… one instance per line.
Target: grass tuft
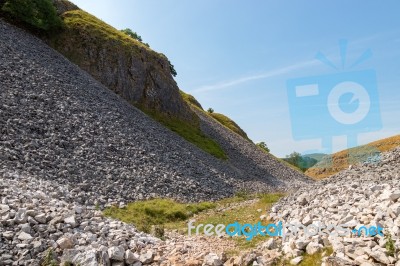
x=309, y=260
x=268, y=199
x=315, y=259
x=48, y=259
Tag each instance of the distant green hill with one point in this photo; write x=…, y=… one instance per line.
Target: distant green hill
x=302, y=162
x=316, y=156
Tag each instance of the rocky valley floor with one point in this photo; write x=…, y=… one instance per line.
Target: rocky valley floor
x=39, y=215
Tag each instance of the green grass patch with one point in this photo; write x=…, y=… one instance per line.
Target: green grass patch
x=172, y=215
x=144, y=214
x=269, y=199
x=245, y=214
x=189, y=131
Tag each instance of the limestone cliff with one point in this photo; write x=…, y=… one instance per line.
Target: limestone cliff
x=128, y=67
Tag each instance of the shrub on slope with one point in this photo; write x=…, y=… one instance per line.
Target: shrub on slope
x=39, y=14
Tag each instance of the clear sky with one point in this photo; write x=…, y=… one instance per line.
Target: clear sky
x=237, y=57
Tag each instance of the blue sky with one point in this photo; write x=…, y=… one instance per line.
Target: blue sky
x=237, y=56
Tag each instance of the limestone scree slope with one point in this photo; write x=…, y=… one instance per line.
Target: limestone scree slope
x=58, y=123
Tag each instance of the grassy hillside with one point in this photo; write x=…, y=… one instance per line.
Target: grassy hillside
x=316, y=156
x=190, y=100
x=302, y=162
x=229, y=123
x=222, y=119
x=190, y=132
x=99, y=30
x=341, y=160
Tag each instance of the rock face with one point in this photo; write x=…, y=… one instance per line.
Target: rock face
x=64, y=6
x=135, y=72
x=61, y=124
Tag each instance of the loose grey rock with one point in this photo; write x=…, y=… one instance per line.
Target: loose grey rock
x=65, y=243
x=270, y=244
x=21, y=216
x=41, y=218
x=71, y=221
x=212, y=259
x=147, y=257
x=8, y=235
x=296, y=260
x=313, y=248
x=24, y=236
x=131, y=257
x=116, y=253
x=394, y=196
